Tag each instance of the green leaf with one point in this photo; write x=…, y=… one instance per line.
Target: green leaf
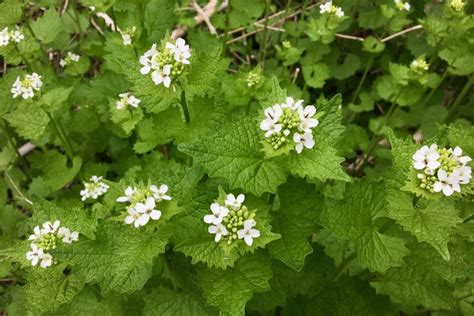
x=230, y=289
x=354, y=218
x=163, y=301
x=47, y=27
x=10, y=12
x=119, y=259
x=29, y=120
x=294, y=221
x=234, y=154
x=159, y=18
x=53, y=99
x=316, y=75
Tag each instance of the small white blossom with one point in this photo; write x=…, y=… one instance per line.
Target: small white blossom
x=303, y=140
x=329, y=8
x=147, y=211
x=4, y=37
x=426, y=157
x=127, y=35
x=127, y=99
x=37, y=234
x=129, y=193
x=94, y=188
x=234, y=202
x=463, y=174
x=132, y=217
x=69, y=59
x=402, y=6
x=180, y=50
x=446, y=183
x=457, y=155
x=146, y=59
x=307, y=122
x=27, y=86
x=160, y=194
x=46, y=260
x=248, y=233
x=50, y=228
x=218, y=214
x=17, y=36
x=219, y=230
x=67, y=236
x=291, y=104
x=35, y=254
x=270, y=124
x=162, y=76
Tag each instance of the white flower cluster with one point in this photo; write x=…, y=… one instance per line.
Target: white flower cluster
x=443, y=169
x=69, y=59
x=232, y=221
x=27, y=86
x=45, y=239
x=166, y=65
x=142, y=203
x=94, y=188
x=127, y=98
x=329, y=8
x=402, y=6
x=6, y=36
x=419, y=65
x=127, y=35
x=457, y=5
x=290, y=121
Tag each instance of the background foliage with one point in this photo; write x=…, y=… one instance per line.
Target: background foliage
x=345, y=232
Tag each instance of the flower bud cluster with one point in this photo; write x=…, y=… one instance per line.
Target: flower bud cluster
x=94, y=188
x=232, y=221
x=69, y=59
x=46, y=239
x=6, y=36
x=419, y=65
x=27, y=86
x=402, y=6
x=290, y=121
x=457, y=5
x=127, y=35
x=168, y=64
x=143, y=202
x=254, y=78
x=444, y=169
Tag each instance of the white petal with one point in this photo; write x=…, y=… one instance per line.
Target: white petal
x=448, y=190
x=437, y=187
x=248, y=240
x=212, y=229
x=155, y=215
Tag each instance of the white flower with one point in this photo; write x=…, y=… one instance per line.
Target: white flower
x=67, y=236
x=303, y=140
x=270, y=123
x=463, y=174
x=219, y=230
x=69, y=59
x=94, y=188
x=307, y=122
x=146, y=59
x=147, y=211
x=27, y=86
x=37, y=234
x=457, y=155
x=17, y=36
x=234, y=202
x=46, y=260
x=132, y=217
x=127, y=99
x=160, y=76
x=160, y=194
x=426, y=157
x=400, y=5
x=447, y=184
x=127, y=35
x=129, y=192
x=180, y=50
x=50, y=228
x=329, y=8
x=291, y=104
x=4, y=37
x=218, y=214
x=339, y=13
x=35, y=254
x=248, y=233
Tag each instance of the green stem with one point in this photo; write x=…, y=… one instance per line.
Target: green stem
x=25, y=60
x=13, y=184
x=184, y=108
x=459, y=99
x=359, y=87
x=434, y=89
x=62, y=137
x=343, y=266
x=167, y=264
x=76, y=15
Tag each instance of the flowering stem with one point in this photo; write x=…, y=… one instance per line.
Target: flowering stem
x=460, y=97
x=64, y=140
x=361, y=83
x=25, y=60
x=433, y=90
x=184, y=108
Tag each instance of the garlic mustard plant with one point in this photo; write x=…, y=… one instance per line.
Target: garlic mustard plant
x=94, y=188
x=27, y=86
